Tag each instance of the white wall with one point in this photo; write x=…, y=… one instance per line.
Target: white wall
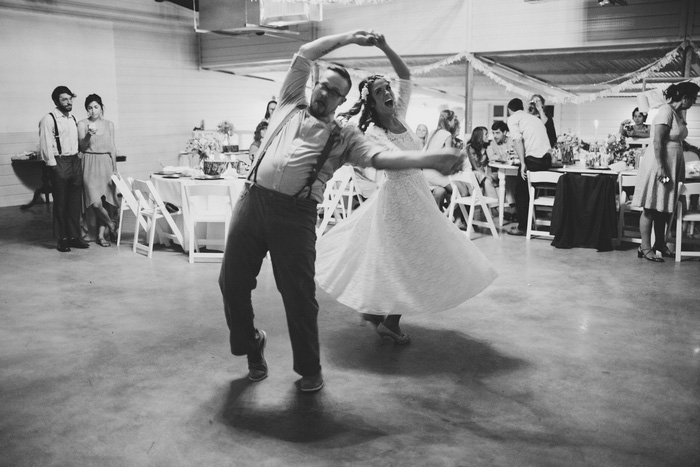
x=160, y=92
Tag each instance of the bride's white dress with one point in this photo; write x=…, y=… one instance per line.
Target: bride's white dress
x=397, y=253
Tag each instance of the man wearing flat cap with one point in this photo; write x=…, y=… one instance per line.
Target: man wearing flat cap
x=58, y=140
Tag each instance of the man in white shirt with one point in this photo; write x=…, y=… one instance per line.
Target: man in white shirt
x=58, y=141
x=531, y=143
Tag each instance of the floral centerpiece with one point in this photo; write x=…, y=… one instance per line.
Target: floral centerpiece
x=568, y=145
x=615, y=147
x=226, y=128
x=203, y=145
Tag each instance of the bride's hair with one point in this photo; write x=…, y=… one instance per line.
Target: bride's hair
x=365, y=105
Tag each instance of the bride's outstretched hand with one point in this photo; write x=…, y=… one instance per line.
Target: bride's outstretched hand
x=448, y=161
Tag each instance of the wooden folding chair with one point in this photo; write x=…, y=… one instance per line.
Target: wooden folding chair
x=337, y=198
x=684, y=214
x=151, y=208
x=207, y=203
x=627, y=181
x=545, y=180
x=128, y=203
x=475, y=200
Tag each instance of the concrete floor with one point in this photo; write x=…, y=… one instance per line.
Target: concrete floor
x=571, y=357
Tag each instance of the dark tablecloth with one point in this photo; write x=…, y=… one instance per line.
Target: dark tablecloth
x=584, y=212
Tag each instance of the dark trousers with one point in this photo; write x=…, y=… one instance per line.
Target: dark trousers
x=522, y=195
x=67, y=183
x=263, y=221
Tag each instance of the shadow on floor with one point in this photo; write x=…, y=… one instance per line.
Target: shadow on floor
x=299, y=418
x=431, y=351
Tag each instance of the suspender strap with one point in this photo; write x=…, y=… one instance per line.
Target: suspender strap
x=253, y=175
x=321, y=160
x=55, y=132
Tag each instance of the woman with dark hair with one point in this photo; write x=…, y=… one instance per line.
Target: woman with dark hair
x=269, y=109
x=476, y=149
x=661, y=169
x=96, y=143
x=397, y=253
x=259, y=134
x=537, y=109
x=635, y=128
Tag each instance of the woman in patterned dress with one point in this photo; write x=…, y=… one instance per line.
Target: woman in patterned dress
x=96, y=141
x=397, y=253
x=661, y=170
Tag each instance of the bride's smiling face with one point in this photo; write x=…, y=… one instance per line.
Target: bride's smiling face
x=383, y=97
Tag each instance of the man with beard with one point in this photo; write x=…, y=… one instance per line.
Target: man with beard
x=277, y=212
x=58, y=141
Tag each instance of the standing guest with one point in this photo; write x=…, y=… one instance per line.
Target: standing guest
x=479, y=159
x=537, y=109
x=502, y=147
x=269, y=110
x=662, y=168
x=277, y=210
x=367, y=262
x=96, y=143
x=422, y=133
x=444, y=136
x=532, y=146
x=58, y=142
x=259, y=134
x=635, y=128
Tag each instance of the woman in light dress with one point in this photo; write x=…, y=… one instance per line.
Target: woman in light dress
x=397, y=253
x=661, y=169
x=96, y=142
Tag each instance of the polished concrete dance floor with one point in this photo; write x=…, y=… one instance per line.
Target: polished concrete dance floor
x=571, y=357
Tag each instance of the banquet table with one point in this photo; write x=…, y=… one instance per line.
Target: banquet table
x=170, y=189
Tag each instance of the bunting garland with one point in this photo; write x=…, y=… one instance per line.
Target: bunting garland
x=552, y=93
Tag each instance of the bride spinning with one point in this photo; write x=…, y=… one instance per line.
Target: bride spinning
x=397, y=253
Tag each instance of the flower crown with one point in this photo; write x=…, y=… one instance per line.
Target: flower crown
x=364, y=92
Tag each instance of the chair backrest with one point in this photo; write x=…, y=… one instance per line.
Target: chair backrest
x=687, y=190
x=125, y=188
x=543, y=177
x=205, y=191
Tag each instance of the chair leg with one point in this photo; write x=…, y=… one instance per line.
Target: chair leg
x=470, y=219
x=192, y=230
x=530, y=215
x=136, y=233
x=489, y=219
x=679, y=234
x=121, y=222
x=151, y=237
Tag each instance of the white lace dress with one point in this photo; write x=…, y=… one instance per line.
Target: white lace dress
x=398, y=253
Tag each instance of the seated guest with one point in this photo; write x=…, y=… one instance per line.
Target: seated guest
x=260, y=131
x=533, y=149
x=537, y=109
x=476, y=150
x=502, y=147
x=635, y=128
x=443, y=136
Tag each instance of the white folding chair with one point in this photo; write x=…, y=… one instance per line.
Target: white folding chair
x=207, y=203
x=545, y=180
x=623, y=230
x=475, y=200
x=338, y=197
x=128, y=203
x=684, y=214
x=151, y=209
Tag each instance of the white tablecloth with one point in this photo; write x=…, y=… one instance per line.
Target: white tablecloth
x=171, y=191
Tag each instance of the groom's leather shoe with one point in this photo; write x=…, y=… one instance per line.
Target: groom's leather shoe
x=78, y=243
x=257, y=366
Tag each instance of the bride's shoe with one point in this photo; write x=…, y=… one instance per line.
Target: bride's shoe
x=384, y=331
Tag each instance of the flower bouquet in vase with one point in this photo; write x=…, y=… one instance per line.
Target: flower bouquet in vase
x=568, y=145
x=615, y=148
x=226, y=129
x=204, y=146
